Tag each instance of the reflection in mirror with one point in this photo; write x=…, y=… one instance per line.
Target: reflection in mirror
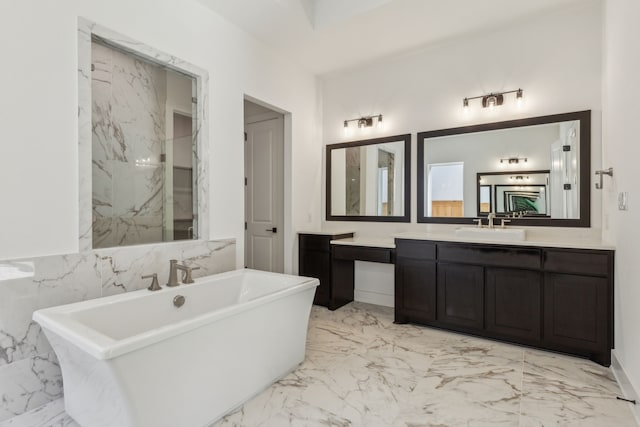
x=517, y=195
x=531, y=169
x=484, y=204
x=143, y=151
x=368, y=180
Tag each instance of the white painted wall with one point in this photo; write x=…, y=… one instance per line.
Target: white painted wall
x=621, y=130
x=38, y=155
x=555, y=58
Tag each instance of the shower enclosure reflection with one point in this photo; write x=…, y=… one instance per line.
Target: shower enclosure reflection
x=143, y=151
x=367, y=180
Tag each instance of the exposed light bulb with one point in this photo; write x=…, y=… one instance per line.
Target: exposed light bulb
x=519, y=97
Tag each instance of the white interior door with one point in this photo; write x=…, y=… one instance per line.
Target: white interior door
x=264, y=195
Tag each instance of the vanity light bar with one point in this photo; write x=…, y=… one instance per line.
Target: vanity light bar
x=493, y=99
x=514, y=160
x=365, y=121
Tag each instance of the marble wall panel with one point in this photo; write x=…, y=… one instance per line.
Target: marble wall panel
x=28, y=384
x=122, y=268
x=105, y=128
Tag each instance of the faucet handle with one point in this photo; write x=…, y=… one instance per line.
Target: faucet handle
x=504, y=221
x=479, y=221
x=155, y=286
x=186, y=275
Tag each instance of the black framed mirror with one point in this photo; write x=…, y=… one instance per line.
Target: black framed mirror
x=369, y=180
x=535, y=171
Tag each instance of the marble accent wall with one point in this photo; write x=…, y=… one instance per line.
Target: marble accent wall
x=127, y=172
x=90, y=209
x=29, y=371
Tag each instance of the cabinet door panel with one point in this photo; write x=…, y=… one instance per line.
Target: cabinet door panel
x=513, y=302
x=461, y=295
x=416, y=288
x=317, y=264
x=575, y=310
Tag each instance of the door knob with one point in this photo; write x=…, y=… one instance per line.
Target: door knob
x=273, y=230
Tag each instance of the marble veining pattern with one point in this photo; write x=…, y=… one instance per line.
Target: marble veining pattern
x=107, y=232
x=362, y=370
x=29, y=371
x=123, y=267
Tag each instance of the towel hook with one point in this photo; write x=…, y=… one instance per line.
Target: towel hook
x=600, y=173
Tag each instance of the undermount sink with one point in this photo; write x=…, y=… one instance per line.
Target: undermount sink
x=500, y=234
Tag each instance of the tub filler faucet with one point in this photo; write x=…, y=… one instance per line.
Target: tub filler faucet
x=173, y=273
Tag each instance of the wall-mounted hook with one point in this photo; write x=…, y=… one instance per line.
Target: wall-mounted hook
x=603, y=172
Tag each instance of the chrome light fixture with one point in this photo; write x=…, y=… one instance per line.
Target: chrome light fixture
x=493, y=100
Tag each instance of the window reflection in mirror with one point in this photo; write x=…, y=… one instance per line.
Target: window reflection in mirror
x=368, y=179
x=545, y=160
x=445, y=188
x=142, y=150
x=484, y=198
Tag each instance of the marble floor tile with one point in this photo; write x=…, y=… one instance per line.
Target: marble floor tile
x=361, y=370
x=50, y=415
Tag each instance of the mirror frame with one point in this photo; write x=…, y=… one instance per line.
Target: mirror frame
x=585, y=168
x=407, y=180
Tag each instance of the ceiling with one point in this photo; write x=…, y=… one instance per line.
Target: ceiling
x=328, y=35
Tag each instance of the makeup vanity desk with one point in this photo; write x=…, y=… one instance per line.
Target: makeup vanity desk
x=545, y=293
x=330, y=257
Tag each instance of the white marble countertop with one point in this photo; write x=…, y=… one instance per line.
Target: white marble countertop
x=372, y=242
x=533, y=239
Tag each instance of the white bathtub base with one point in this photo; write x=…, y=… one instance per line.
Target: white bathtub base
x=191, y=379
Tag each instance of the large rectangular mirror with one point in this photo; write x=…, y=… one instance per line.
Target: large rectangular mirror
x=534, y=171
x=369, y=180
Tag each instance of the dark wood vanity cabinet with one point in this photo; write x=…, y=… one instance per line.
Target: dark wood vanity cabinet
x=460, y=290
x=557, y=299
x=314, y=260
x=513, y=302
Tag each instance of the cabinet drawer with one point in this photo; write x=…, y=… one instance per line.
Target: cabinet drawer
x=581, y=262
x=499, y=256
x=314, y=242
x=361, y=253
x=415, y=249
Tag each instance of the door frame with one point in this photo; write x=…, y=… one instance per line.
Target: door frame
x=288, y=236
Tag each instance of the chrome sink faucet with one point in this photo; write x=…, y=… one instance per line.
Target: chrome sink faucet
x=490, y=218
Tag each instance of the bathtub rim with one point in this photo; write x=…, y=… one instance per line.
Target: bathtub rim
x=58, y=319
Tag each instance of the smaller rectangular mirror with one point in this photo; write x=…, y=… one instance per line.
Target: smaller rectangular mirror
x=522, y=194
x=369, y=180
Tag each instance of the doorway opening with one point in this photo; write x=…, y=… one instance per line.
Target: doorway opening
x=264, y=187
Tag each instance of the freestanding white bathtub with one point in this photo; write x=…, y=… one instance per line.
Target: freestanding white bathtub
x=136, y=360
